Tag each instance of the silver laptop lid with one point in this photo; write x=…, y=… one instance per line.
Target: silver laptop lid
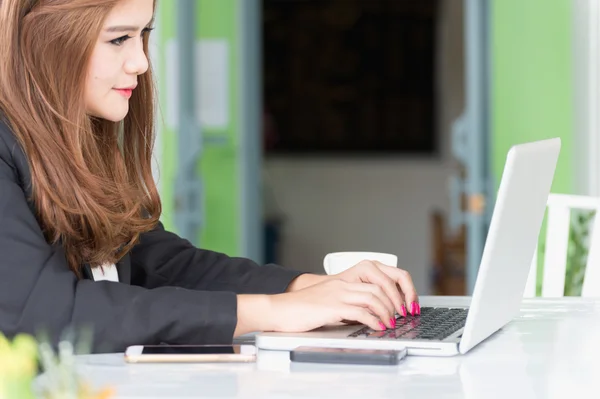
x=512, y=239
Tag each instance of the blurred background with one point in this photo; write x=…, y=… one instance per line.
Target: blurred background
x=288, y=129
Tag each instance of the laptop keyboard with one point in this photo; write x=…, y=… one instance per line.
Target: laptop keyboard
x=433, y=324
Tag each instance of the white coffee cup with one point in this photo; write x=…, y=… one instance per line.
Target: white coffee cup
x=337, y=262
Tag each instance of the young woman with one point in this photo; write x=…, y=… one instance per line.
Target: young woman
x=80, y=237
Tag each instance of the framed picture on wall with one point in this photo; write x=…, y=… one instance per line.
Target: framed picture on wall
x=349, y=76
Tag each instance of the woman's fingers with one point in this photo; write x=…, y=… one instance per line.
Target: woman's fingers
x=375, y=275
x=379, y=293
x=404, y=281
x=363, y=316
x=371, y=297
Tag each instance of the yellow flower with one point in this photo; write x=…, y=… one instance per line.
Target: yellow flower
x=19, y=357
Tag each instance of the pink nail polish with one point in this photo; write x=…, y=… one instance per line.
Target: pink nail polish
x=393, y=322
x=382, y=326
x=418, y=309
x=404, y=311
x=412, y=309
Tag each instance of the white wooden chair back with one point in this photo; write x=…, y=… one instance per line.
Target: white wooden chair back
x=557, y=239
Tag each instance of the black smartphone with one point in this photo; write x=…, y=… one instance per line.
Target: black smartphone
x=312, y=354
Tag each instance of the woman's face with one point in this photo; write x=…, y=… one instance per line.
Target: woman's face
x=117, y=60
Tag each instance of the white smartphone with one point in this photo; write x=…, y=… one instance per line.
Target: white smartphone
x=190, y=354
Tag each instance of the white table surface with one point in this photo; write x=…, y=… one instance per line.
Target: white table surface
x=552, y=350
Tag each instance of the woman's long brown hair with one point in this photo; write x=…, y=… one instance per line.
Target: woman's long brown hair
x=92, y=180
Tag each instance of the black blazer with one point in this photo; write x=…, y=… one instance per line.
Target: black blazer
x=169, y=291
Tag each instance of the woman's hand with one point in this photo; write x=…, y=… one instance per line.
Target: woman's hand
x=369, y=293
x=395, y=283
x=333, y=301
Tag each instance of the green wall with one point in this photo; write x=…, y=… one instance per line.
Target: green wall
x=217, y=19
x=532, y=84
x=220, y=163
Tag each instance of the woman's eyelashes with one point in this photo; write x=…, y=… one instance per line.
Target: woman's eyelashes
x=120, y=40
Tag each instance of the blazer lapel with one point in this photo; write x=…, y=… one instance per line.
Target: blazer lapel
x=124, y=269
x=86, y=271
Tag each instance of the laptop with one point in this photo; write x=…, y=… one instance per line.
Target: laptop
x=511, y=241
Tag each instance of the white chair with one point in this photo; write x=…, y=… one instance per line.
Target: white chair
x=557, y=237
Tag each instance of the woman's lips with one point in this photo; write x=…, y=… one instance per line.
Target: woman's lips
x=125, y=92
